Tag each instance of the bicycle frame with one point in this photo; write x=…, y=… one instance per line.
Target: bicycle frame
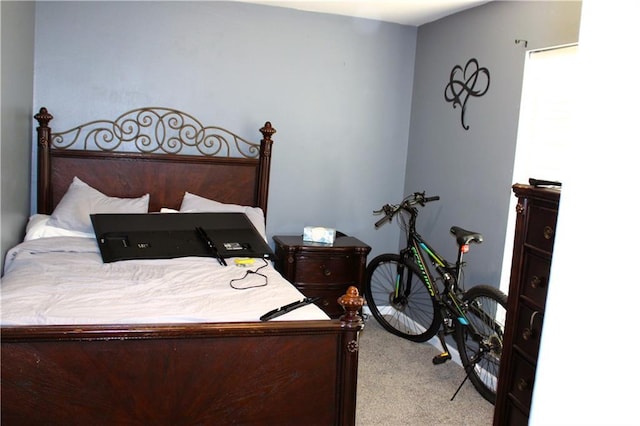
x=416, y=249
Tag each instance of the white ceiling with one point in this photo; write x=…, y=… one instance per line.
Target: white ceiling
x=406, y=12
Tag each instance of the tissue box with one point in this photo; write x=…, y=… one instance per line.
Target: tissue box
x=319, y=234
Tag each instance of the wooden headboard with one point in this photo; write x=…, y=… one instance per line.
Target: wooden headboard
x=160, y=151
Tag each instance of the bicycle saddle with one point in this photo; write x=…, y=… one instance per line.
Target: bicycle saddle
x=465, y=237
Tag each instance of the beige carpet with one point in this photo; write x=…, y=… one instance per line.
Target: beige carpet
x=399, y=385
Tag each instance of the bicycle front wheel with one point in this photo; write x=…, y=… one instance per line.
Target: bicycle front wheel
x=480, y=342
x=399, y=300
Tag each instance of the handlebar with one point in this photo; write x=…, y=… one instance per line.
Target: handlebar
x=407, y=204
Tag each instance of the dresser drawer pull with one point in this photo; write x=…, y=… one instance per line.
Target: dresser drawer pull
x=536, y=282
x=523, y=385
x=326, y=271
x=548, y=232
x=530, y=332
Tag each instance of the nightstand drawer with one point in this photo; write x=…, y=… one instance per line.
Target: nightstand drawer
x=321, y=269
x=328, y=295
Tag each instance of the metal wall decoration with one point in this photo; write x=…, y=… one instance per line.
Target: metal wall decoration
x=472, y=80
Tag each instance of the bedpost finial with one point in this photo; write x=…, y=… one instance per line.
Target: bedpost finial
x=267, y=131
x=351, y=302
x=43, y=117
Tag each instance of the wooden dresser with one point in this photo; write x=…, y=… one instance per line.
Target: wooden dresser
x=321, y=270
x=537, y=211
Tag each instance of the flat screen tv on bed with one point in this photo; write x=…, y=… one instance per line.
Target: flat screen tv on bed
x=109, y=343
x=222, y=235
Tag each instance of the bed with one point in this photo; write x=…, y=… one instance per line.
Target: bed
x=173, y=368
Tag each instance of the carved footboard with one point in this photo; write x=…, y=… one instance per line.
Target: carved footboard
x=302, y=372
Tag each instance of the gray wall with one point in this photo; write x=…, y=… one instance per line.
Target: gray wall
x=472, y=169
x=17, y=110
x=337, y=89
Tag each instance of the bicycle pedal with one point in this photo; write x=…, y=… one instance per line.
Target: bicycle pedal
x=442, y=358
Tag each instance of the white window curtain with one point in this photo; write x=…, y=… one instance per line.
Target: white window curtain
x=544, y=128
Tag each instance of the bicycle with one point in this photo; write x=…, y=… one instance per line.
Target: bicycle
x=403, y=294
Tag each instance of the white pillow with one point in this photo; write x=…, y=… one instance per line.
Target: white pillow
x=192, y=203
x=38, y=228
x=80, y=201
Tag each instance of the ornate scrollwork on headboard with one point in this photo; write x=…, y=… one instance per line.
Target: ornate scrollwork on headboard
x=156, y=130
x=149, y=144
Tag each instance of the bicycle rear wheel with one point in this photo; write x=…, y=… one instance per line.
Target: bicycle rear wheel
x=480, y=343
x=413, y=313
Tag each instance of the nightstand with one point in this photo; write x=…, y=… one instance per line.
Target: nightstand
x=322, y=270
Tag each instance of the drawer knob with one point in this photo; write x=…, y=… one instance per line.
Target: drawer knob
x=548, y=232
x=536, y=282
x=528, y=334
x=326, y=271
x=523, y=385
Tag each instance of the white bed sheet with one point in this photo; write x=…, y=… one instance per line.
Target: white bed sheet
x=62, y=280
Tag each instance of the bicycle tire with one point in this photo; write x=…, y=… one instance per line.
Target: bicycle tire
x=486, y=308
x=415, y=317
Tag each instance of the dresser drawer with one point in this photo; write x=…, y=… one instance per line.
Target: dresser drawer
x=541, y=229
x=535, y=279
x=323, y=269
x=514, y=416
x=521, y=388
x=528, y=330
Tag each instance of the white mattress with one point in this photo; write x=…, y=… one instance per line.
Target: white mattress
x=62, y=280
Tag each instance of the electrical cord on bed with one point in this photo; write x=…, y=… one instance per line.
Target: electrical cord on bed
x=246, y=274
